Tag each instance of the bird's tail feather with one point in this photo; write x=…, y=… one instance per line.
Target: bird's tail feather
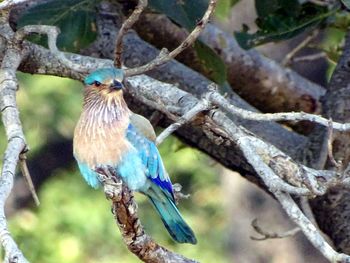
x=173, y=221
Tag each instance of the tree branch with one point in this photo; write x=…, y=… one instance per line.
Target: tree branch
x=309, y=230
x=258, y=79
x=202, y=105
x=219, y=100
x=26, y=175
x=251, y=151
x=164, y=56
x=166, y=94
x=42, y=61
x=15, y=139
x=124, y=210
x=271, y=235
x=219, y=130
x=289, y=57
x=142, y=4
x=143, y=85
x=52, y=32
x=331, y=210
x=138, y=52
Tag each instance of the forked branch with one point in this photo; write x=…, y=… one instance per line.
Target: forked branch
x=142, y=4
x=201, y=106
x=52, y=32
x=271, y=235
x=164, y=56
x=220, y=101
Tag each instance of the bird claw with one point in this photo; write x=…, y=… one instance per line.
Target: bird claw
x=113, y=191
x=112, y=184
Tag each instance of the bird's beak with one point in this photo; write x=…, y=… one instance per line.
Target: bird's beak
x=116, y=85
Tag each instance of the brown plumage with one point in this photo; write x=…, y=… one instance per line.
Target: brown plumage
x=99, y=136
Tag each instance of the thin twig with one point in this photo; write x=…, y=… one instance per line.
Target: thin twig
x=124, y=209
x=309, y=230
x=221, y=102
x=271, y=235
x=28, y=178
x=311, y=57
x=330, y=144
x=164, y=56
x=320, y=2
x=52, y=32
x=287, y=60
x=142, y=4
x=201, y=106
x=155, y=118
x=305, y=207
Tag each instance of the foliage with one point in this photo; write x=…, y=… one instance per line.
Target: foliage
x=185, y=13
x=213, y=65
x=75, y=18
x=281, y=19
x=277, y=20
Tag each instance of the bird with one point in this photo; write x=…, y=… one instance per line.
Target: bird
x=109, y=134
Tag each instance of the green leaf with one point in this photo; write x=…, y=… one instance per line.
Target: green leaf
x=185, y=13
x=212, y=63
x=223, y=8
x=75, y=18
x=332, y=43
x=341, y=20
x=346, y=3
x=281, y=26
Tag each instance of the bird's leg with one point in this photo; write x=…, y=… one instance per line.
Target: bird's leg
x=111, y=181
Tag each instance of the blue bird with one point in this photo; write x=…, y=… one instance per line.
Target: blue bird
x=109, y=134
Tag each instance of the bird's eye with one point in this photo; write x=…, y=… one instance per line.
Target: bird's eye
x=97, y=83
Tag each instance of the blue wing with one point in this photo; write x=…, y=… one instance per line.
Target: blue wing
x=151, y=159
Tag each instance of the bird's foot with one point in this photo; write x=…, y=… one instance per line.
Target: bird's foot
x=112, y=184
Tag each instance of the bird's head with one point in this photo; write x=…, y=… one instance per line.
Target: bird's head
x=105, y=80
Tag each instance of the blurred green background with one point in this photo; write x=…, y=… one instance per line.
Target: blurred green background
x=74, y=222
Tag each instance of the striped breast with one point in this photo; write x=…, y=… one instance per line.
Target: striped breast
x=100, y=139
